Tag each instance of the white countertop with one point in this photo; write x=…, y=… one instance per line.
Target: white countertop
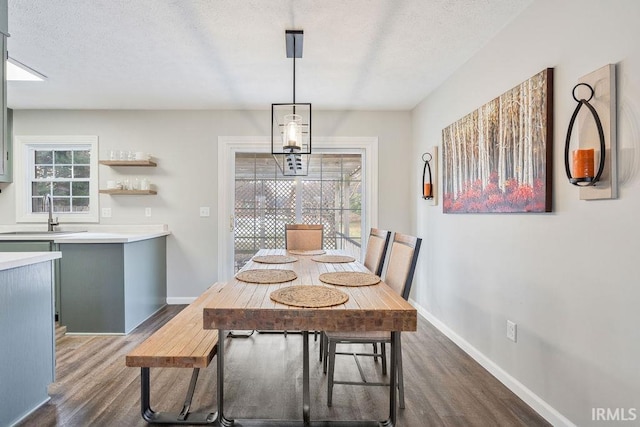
x=10, y=260
x=85, y=237
x=90, y=237
x=114, y=234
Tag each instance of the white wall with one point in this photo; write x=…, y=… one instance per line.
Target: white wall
x=185, y=145
x=569, y=279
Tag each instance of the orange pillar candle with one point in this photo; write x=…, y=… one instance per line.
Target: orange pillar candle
x=583, y=163
x=427, y=190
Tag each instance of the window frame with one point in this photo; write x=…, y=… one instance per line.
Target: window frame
x=25, y=145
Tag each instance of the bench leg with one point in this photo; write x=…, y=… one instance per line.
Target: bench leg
x=184, y=417
x=187, y=401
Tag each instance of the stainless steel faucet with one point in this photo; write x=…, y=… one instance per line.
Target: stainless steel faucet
x=48, y=204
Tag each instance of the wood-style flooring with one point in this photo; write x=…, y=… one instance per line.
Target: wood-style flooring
x=443, y=385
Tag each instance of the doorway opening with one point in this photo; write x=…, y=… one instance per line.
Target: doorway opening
x=265, y=200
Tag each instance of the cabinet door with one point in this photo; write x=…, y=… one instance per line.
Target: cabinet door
x=6, y=150
x=5, y=175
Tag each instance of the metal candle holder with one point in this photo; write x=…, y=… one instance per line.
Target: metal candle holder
x=584, y=181
x=427, y=169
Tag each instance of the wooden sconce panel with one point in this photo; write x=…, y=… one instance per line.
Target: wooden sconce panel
x=603, y=82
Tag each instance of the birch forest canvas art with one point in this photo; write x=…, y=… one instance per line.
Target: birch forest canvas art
x=498, y=158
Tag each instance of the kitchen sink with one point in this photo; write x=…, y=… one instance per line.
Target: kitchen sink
x=26, y=233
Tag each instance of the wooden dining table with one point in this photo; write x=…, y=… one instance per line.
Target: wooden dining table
x=247, y=306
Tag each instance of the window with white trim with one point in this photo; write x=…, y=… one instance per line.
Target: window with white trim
x=64, y=167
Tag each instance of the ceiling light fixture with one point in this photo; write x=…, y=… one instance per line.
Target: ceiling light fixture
x=17, y=71
x=291, y=122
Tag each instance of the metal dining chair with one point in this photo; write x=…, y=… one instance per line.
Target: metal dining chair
x=374, y=257
x=304, y=237
x=376, y=252
x=399, y=277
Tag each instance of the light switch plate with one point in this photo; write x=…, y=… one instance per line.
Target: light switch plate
x=205, y=211
x=147, y=212
x=106, y=212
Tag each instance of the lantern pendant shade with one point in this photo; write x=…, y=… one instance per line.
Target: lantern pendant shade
x=291, y=137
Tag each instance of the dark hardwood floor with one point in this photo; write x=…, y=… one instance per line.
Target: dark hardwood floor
x=443, y=386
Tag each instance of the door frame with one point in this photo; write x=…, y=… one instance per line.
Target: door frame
x=228, y=146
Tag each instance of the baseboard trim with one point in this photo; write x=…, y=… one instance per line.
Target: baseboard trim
x=545, y=410
x=31, y=411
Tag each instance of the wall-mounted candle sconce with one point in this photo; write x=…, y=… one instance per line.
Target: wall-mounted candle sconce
x=583, y=159
x=592, y=164
x=427, y=178
x=429, y=185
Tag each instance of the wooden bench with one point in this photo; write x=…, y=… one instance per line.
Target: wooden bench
x=180, y=343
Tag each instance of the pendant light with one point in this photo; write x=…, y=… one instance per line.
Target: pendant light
x=291, y=122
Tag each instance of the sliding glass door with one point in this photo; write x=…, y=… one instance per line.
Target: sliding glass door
x=265, y=201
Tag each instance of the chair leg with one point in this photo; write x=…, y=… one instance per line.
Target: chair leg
x=375, y=351
x=400, y=376
x=332, y=363
x=321, y=345
x=384, y=358
x=325, y=349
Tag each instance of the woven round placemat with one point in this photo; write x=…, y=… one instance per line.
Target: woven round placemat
x=349, y=278
x=308, y=252
x=274, y=259
x=267, y=276
x=333, y=258
x=311, y=296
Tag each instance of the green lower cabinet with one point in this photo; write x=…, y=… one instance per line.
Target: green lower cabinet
x=110, y=288
x=27, y=352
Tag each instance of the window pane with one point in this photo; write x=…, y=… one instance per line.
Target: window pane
x=63, y=171
x=311, y=194
x=81, y=171
x=40, y=188
x=81, y=157
x=331, y=195
x=61, y=188
x=43, y=172
x=80, y=188
x=355, y=196
x=43, y=157
x=63, y=157
x=37, y=205
x=355, y=229
x=61, y=204
x=80, y=204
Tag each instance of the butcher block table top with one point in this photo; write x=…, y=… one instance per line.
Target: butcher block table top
x=241, y=305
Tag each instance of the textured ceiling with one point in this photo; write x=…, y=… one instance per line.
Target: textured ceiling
x=230, y=54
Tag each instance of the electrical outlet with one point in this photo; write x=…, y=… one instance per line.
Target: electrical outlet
x=512, y=330
x=106, y=212
x=204, y=211
x=147, y=212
